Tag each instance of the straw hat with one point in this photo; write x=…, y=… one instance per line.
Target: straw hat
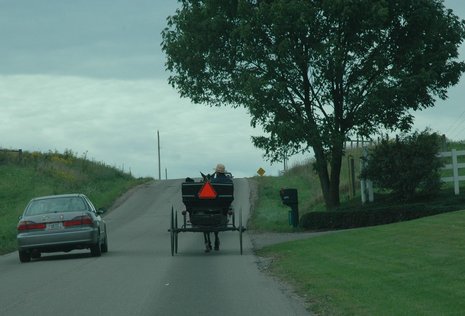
x=220, y=168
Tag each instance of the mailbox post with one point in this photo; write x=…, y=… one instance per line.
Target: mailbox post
x=289, y=197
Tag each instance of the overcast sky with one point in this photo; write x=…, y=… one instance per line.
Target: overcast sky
x=89, y=76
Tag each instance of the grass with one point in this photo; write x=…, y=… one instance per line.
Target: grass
x=409, y=268
x=271, y=215
x=37, y=174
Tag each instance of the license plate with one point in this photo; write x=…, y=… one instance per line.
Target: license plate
x=55, y=226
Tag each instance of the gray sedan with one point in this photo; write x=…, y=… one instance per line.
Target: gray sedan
x=60, y=223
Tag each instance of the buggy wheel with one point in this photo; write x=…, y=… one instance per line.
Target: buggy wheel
x=240, y=228
x=176, y=233
x=172, y=231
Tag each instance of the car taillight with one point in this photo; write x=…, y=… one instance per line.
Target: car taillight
x=79, y=221
x=28, y=225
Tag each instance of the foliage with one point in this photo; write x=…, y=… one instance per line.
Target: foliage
x=269, y=214
x=32, y=174
x=364, y=217
x=407, y=166
x=312, y=73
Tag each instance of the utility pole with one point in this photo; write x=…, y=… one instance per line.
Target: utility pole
x=159, y=164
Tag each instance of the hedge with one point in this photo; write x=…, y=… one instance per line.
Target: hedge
x=361, y=218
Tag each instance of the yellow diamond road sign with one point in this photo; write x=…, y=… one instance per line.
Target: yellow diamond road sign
x=261, y=171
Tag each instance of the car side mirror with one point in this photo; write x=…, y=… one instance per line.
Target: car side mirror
x=101, y=211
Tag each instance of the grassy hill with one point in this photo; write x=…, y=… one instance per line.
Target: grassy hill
x=407, y=268
x=26, y=175
x=271, y=215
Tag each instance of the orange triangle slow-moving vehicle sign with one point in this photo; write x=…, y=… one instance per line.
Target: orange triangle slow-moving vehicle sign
x=207, y=192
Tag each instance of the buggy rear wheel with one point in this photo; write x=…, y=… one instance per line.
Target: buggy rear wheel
x=172, y=232
x=240, y=228
x=176, y=233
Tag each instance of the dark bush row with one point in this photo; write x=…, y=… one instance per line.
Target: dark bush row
x=362, y=218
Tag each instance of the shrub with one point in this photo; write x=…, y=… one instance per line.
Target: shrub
x=367, y=217
x=407, y=166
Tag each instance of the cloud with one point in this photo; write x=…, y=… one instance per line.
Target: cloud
x=104, y=39
x=116, y=121
x=447, y=116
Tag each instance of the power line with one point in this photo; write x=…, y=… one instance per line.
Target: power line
x=455, y=128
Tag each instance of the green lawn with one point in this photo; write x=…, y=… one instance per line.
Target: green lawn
x=409, y=268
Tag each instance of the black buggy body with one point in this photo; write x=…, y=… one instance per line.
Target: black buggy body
x=208, y=209
x=208, y=212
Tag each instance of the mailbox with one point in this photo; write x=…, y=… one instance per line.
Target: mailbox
x=289, y=197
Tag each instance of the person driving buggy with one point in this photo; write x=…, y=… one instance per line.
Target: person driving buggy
x=220, y=175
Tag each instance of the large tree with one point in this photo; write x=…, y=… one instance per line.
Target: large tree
x=312, y=73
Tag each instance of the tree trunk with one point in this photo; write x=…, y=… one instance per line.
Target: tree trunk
x=329, y=180
x=335, y=178
x=321, y=167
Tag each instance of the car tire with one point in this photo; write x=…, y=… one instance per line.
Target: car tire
x=95, y=250
x=104, y=247
x=24, y=256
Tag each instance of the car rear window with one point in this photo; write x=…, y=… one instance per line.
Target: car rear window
x=56, y=205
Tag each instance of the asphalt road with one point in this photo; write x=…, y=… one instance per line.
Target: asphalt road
x=138, y=276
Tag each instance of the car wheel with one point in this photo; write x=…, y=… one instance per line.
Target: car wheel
x=24, y=256
x=104, y=247
x=95, y=250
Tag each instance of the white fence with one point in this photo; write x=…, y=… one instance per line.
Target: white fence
x=454, y=166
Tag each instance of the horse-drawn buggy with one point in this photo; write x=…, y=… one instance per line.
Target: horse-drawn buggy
x=208, y=210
